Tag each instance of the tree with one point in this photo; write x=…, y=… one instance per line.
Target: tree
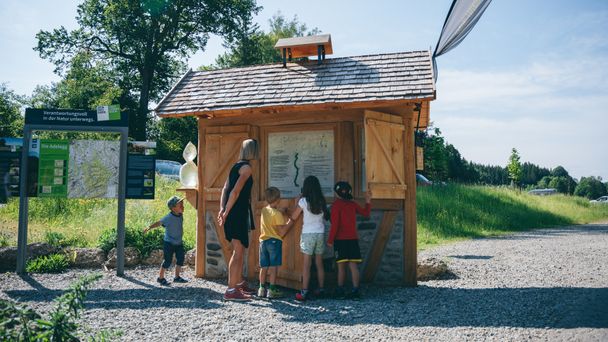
x=590, y=187
x=255, y=46
x=560, y=184
x=11, y=120
x=559, y=171
x=514, y=167
x=532, y=173
x=435, y=155
x=145, y=41
x=172, y=135
x=85, y=86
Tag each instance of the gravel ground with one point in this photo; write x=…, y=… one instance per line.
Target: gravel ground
x=549, y=284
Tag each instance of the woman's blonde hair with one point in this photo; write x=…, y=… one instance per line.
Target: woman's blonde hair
x=249, y=150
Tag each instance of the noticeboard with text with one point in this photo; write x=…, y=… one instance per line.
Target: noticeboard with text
x=77, y=168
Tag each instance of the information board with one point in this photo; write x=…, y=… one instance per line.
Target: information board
x=77, y=168
x=292, y=156
x=10, y=157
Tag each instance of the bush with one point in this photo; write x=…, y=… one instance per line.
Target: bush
x=20, y=323
x=144, y=243
x=4, y=240
x=57, y=239
x=54, y=263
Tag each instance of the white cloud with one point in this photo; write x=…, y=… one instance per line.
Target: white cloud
x=554, y=112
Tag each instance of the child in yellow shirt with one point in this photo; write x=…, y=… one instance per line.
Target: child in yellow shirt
x=271, y=243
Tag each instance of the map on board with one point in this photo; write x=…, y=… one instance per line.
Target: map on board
x=292, y=156
x=93, y=169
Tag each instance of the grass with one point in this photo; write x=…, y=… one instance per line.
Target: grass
x=457, y=212
x=445, y=213
x=82, y=221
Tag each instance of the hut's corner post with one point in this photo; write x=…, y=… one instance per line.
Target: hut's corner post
x=201, y=208
x=410, y=252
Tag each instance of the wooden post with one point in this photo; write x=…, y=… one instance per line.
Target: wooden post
x=201, y=207
x=410, y=261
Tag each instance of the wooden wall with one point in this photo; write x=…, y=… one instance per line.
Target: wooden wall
x=219, y=143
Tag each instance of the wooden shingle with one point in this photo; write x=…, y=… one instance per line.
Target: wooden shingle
x=359, y=79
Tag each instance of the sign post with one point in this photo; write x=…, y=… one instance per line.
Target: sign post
x=105, y=119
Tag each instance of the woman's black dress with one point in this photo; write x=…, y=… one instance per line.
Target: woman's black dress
x=240, y=218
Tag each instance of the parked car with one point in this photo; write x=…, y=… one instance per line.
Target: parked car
x=422, y=181
x=168, y=168
x=601, y=200
x=543, y=192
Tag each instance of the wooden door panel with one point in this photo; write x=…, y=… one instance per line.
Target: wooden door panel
x=384, y=155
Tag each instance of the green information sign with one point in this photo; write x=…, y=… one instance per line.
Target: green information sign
x=53, y=168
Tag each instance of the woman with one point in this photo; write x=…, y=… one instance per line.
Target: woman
x=237, y=218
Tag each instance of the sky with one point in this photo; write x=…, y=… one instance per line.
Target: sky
x=531, y=75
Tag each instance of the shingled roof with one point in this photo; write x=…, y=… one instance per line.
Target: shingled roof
x=347, y=80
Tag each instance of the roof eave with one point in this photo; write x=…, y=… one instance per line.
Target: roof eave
x=294, y=108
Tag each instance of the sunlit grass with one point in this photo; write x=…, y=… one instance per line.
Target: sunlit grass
x=455, y=212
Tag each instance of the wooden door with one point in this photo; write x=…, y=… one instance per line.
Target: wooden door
x=384, y=155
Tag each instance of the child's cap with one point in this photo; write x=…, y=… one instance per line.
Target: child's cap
x=173, y=201
x=344, y=190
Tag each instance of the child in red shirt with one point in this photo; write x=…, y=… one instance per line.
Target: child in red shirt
x=343, y=235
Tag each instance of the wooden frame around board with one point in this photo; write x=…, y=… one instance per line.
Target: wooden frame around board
x=265, y=131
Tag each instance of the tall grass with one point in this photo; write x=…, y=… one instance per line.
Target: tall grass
x=83, y=220
x=456, y=212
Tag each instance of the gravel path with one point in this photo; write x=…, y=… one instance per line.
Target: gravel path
x=549, y=284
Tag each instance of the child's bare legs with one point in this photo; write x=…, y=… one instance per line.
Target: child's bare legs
x=263, y=272
x=161, y=273
x=354, y=272
x=306, y=271
x=235, y=266
x=341, y=273
x=320, y=270
x=178, y=270
x=272, y=272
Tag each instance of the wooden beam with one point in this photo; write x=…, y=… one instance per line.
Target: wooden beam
x=295, y=108
x=410, y=252
x=201, y=207
x=346, y=153
x=379, y=245
x=253, y=250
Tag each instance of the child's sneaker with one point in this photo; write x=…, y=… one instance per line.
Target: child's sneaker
x=276, y=293
x=162, y=281
x=236, y=295
x=243, y=287
x=262, y=292
x=301, y=296
x=180, y=280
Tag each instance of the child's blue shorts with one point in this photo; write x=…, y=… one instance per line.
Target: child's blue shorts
x=271, y=252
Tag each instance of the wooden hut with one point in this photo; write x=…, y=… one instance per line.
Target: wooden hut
x=350, y=118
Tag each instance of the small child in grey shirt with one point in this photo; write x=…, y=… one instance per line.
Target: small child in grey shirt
x=172, y=242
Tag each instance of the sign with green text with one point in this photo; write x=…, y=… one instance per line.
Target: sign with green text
x=53, y=168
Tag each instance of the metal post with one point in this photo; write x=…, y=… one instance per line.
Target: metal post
x=120, y=230
x=23, y=203
x=284, y=57
x=319, y=52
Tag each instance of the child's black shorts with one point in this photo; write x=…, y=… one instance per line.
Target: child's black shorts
x=168, y=251
x=347, y=251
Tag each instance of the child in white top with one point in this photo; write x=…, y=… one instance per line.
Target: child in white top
x=312, y=241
